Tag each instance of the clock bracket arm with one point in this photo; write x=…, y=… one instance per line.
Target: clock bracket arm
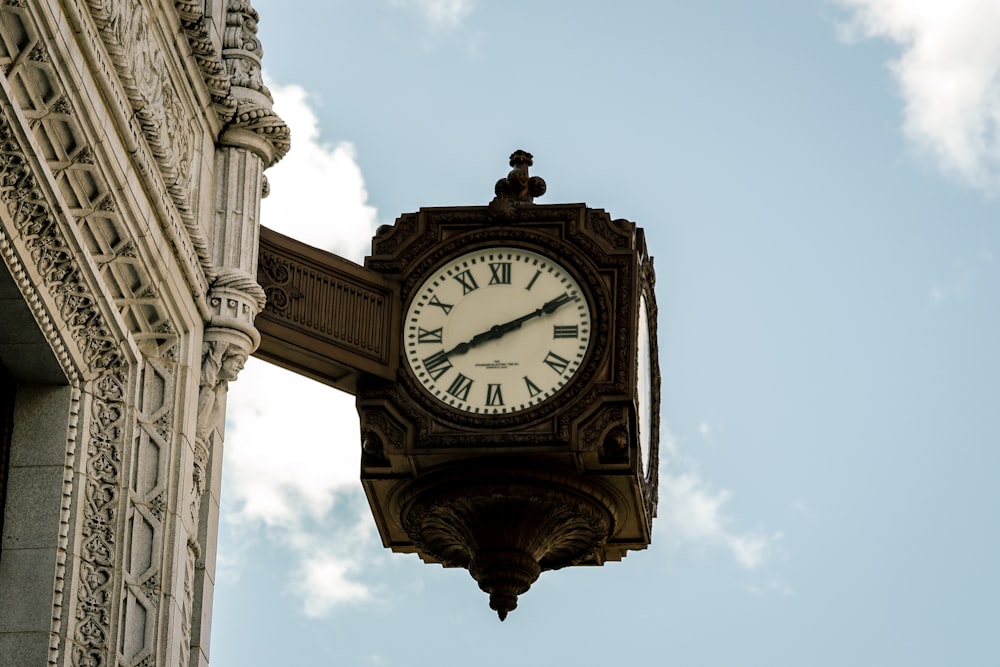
x=326, y=317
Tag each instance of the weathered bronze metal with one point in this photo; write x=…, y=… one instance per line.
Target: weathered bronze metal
x=506, y=494
x=511, y=495
x=326, y=317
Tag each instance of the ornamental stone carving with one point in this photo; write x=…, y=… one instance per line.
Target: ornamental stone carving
x=242, y=53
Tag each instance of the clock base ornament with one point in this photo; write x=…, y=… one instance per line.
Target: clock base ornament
x=506, y=526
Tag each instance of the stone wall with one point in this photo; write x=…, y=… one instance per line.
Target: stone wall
x=133, y=140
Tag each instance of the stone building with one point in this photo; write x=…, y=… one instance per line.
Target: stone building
x=133, y=139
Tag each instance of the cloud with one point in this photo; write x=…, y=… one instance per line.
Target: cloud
x=318, y=194
x=963, y=278
x=292, y=445
x=693, y=514
x=949, y=77
x=439, y=14
x=329, y=573
x=291, y=479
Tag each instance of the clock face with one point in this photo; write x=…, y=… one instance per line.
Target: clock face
x=644, y=388
x=496, y=331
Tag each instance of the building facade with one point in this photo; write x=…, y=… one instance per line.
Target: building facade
x=133, y=139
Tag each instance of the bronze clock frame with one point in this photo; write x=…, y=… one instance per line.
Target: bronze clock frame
x=571, y=480
x=580, y=445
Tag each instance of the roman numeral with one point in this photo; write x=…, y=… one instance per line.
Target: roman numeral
x=428, y=335
x=437, y=364
x=467, y=282
x=460, y=387
x=499, y=273
x=564, y=331
x=493, y=395
x=531, y=283
x=556, y=363
x=435, y=301
x=533, y=389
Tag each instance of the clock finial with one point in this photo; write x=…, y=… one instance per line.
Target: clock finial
x=517, y=188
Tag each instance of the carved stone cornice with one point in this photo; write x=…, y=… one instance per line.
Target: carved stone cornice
x=232, y=73
x=55, y=258
x=82, y=167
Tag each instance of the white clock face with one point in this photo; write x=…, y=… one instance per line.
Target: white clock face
x=496, y=331
x=644, y=388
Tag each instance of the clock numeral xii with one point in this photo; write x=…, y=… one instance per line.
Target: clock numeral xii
x=499, y=273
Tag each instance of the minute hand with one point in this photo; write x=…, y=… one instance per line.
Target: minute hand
x=498, y=330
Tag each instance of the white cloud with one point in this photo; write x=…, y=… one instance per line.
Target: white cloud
x=949, y=77
x=293, y=445
x=327, y=575
x=318, y=194
x=439, y=14
x=962, y=280
x=291, y=478
x=693, y=514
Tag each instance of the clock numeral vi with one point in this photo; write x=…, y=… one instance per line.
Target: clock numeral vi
x=556, y=363
x=428, y=335
x=437, y=364
x=499, y=273
x=494, y=396
x=460, y=387
x=467, y=282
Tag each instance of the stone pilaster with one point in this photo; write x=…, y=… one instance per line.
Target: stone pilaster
x=254, y=139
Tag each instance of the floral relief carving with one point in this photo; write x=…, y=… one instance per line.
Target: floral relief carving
x=106, y=418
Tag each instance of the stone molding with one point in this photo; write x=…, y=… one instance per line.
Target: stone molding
x=50, y=270
x=109, y=166
x=113, y=331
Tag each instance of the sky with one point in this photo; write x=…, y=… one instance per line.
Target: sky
x=818, y=183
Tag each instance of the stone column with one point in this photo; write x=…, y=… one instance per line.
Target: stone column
x=254, y=140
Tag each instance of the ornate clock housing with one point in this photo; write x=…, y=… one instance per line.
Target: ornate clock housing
x=519, y=433
x=497, y=330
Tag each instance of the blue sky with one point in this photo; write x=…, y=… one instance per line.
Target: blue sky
x=818, y=183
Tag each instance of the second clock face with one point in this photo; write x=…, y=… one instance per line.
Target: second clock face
x=497, y=330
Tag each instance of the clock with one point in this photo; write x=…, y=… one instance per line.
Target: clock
x=498, y=330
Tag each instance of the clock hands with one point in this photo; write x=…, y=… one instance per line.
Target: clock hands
x=498, y=330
